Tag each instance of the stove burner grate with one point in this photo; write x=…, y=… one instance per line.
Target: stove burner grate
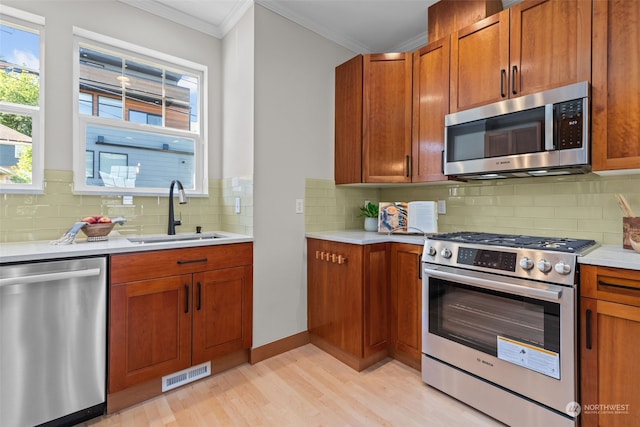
x=559, y=244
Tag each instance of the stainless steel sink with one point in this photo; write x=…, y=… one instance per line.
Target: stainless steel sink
x=175, y=238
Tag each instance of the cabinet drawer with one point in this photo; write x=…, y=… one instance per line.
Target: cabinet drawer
x=138, y=266
x=610, y=284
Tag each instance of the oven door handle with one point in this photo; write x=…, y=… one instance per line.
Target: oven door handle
x=544, y=292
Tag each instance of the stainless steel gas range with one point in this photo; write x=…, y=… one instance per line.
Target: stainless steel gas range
x=499, y=324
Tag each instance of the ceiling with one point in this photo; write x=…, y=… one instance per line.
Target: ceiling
x=363, y=26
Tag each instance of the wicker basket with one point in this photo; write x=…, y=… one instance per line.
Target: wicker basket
x=99, y=231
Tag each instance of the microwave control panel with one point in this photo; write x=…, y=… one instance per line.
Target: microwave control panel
x=569, y=124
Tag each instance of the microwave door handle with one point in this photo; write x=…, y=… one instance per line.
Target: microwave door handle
x=548, y=128
x=552, y=294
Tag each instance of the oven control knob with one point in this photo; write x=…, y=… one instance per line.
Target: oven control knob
x=446, y=253
x=544, y=265
x=526, y=263
x=563, y=268
x=431, y=251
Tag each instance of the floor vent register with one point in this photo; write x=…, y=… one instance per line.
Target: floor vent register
x=186, y=376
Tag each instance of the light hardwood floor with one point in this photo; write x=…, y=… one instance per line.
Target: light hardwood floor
x=303, y=387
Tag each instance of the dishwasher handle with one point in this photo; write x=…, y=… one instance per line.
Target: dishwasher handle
x=49, y=277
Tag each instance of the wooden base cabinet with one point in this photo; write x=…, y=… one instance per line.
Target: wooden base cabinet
x=173, y=309
x=610, y=345
x=406, y=304
x=347, y=289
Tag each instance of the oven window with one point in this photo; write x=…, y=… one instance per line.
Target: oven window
x=477, y=317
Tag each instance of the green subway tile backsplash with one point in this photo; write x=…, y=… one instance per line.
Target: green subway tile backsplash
x=581, y=206
x=26, y=217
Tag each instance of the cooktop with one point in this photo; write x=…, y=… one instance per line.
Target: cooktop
x=559, y=244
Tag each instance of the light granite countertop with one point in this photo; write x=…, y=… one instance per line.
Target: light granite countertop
x=360, y=237
x=43, y=250
x=612, y=256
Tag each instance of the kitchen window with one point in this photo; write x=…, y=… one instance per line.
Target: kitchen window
x=21, y=102
x=142, y=113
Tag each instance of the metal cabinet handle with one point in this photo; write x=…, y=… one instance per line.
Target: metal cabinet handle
x=408, y=166
x=49, y=277
x=191, y=261
x=615, y=285
x=186, y=298
x=588, y=326
x=199, y=305
x=514, y=78
x=419, y=266
x=503, y=82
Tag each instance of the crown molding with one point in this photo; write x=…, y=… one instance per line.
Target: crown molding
x=171, y=14
x=350, y=44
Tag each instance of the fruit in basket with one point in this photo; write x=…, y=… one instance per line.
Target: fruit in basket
x=96, y=219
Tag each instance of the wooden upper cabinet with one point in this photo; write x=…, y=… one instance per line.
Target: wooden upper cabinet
x=386, y=126
x=615, y=88
x=348, y=122
x=430, y=105
x=480, y=62
x=373, y=119
x=446, y=16
x=533, y=46
x=550, y=45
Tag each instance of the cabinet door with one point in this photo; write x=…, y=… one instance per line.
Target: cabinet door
x=615, y=85
x=480, y=63
x=335, y=294
x=406, y=300
x=348, y=122
x=610, y=371
x=222, y=307
x=376, y=298
x=387, y=117
x=430, y=105
x=150, y=330
x=550, y=45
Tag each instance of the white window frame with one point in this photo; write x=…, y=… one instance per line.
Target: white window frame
x=80, y=121
x=36, y=23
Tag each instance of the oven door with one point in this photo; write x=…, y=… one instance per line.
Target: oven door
x=516, y=333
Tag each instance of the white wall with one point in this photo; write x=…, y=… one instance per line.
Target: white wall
x=238, y=94
x=115, y=19
x=294, y=92
x=280, y=130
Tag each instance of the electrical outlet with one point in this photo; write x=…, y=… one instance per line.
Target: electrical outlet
x=237, y=207
x=299, y=206
x=442, y=206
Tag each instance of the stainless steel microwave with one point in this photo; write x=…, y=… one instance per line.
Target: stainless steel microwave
x=546, y=133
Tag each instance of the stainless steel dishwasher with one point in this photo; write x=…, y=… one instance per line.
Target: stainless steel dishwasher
x=52, y=341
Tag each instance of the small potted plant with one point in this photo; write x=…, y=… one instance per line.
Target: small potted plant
x=370, y=214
